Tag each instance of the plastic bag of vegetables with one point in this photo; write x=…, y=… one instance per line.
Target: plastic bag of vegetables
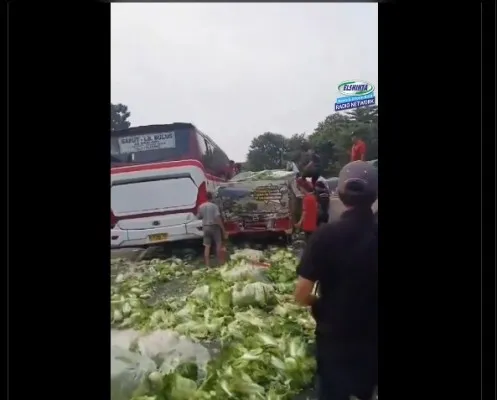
x=136, y=359
x=256, y=293
x=168, y=350
x=201, y=293
x=124, y=339
x=245, y=270
x=129, y=373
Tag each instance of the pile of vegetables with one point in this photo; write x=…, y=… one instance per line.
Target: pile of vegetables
x=247, y=337
x=268, y=174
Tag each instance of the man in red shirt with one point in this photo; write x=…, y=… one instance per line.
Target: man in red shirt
x=308, y=220
x=358, y=152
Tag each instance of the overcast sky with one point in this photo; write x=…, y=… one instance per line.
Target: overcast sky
x=237, y=70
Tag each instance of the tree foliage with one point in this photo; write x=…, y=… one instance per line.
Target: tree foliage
x=294, y=147
x=331, y=139
x=119, y=115
x=266, y=151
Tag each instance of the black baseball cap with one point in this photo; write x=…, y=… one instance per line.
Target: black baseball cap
x=357, y=179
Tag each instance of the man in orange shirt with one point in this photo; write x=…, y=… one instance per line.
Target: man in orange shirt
x=308, y=220
x=358, y=152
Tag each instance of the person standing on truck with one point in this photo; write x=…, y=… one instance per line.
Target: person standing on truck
x=309, y=217
x=213, y=228
x=312, y=164
x=343, y=257
x=358, y=151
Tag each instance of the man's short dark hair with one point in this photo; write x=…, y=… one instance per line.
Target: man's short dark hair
x=210, y=196
x=357, y=201
x=356, y=196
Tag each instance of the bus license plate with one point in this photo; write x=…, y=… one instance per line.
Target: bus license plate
x=159, y=237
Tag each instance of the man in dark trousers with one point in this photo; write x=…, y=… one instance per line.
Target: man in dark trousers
x=343, y=257
x=309, y=217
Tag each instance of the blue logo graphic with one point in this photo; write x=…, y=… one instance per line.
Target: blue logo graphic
x=355, y=94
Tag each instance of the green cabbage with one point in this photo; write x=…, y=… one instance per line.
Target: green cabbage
x=244, y=315
x=253, y=294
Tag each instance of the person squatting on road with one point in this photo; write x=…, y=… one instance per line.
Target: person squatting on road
x=309, y=217
x=213, y=228
x=343, y=257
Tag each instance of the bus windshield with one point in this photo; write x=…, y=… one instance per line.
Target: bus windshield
x=142, y=146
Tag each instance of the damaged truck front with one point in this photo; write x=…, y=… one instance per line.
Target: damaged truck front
x=265, y=202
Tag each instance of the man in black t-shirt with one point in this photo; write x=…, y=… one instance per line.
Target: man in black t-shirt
x=312, y=165
x=343, y=257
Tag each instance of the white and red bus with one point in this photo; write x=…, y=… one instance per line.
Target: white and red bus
x=160, y=174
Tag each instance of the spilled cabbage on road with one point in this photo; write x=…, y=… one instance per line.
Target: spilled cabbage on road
x=184, y=333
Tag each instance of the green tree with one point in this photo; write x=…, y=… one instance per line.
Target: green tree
x=267, y=152
x=294, y=146
x=119, y=115
x=332, y=138
x=364, y=115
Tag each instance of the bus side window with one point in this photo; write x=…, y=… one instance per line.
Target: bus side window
x=221, y=163
x=209, y=157
x=216, y=161
x=204, y=150
x=201, y=146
